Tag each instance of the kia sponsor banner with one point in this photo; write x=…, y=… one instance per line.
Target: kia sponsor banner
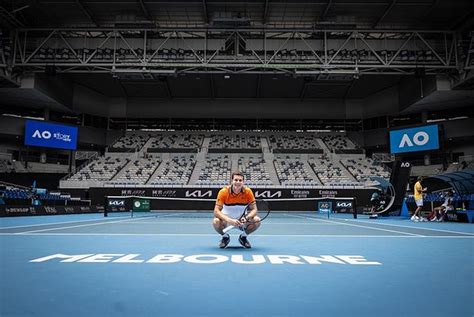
x=199, y=198
x=117, y=205
x=45, y=134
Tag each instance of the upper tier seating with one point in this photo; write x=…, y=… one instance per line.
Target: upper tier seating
x=175, y=171
x=253, y=167
x=100, y=169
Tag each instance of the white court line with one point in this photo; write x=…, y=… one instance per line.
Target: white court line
x=57, y=223
x=353, y=225
x=216, y=235
x=419, y=228
x=266, y=223
x=69, y=227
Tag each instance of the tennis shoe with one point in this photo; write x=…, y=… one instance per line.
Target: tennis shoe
x=224, y=242
x=414, y=218
x=244, y=242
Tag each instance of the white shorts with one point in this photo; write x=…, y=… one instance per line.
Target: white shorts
x=419, y=202
x=233, y=211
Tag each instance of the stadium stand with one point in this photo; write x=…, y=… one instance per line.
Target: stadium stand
x=136, y=172
x=228, y=142
x=176, y=143
x=216, y=171
x=254, y=169
x=290, y=143
x=363, y=168
x=6, y=166
x=176, y=170
x=338, y=142
x=102, y=169
x=330, y=173
x=126, y=143
x=287, y=160
x=293, y=171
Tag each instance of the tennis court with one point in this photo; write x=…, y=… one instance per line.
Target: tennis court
x=299, y=265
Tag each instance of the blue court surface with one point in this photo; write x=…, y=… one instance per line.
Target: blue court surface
x=170, y=265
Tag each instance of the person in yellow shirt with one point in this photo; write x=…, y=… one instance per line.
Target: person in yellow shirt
x=418, y=195
x=231, y=201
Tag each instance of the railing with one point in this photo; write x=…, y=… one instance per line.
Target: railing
x=14, y=185
x=93, y=157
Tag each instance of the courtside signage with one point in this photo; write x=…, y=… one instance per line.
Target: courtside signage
x=44, y=134
x=207, y=259
x=414, y=139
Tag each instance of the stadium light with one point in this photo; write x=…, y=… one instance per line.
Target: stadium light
x=327, y=71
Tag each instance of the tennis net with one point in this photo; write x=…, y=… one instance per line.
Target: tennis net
x=138, y=206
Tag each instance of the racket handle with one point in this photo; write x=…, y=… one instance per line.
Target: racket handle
x=228, y=228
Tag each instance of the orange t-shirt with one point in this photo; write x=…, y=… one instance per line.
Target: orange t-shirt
x=233, y=204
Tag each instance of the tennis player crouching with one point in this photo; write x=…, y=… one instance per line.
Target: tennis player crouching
x=230, y=203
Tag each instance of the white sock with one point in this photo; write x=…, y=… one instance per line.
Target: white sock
x=243, y=234
x=225, y=235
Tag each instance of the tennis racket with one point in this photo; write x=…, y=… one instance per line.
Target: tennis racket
x=263, y=210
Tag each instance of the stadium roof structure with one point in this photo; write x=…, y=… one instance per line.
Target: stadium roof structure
x=369, y=14
x=461, y=181
x=300, y=50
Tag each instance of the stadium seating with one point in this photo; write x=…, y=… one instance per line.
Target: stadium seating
x=216, y=171
x=175, y=171
x=133, y=141
x=363, y=168
x=288, y=143
x=338, y=142
x=100, y=169
x=330, y=173
x=253, y=167
x=176, y=141
x=137, y=172
x=180, y=159
x=6, y=166
x=234, y=142
x=294, y=172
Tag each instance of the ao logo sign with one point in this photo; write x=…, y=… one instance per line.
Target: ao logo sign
x=420, y=138
x=415, y=139
x=45, y=134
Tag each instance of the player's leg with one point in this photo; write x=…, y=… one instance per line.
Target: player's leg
x=219, y=226
x=442, y=213
x=248, y=229
x=419, y=206
x=253, y=226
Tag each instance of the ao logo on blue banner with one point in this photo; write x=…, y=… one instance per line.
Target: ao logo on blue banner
x=38, y=133
x=415, y=139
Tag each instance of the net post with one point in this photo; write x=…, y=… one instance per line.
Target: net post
x=354, y=204
x=106, y=200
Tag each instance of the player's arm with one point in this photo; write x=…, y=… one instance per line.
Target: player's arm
x=252, y=210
